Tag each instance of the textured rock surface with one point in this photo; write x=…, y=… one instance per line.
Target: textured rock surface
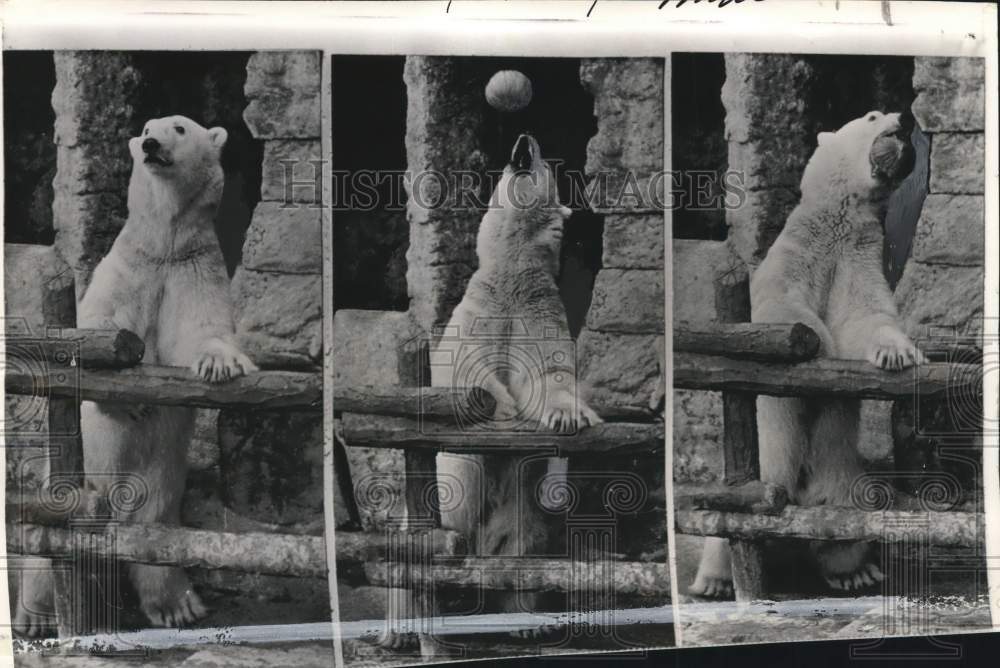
x=710, y=283
x=376, y=348
x=950, y=230
x=279, y=316
x=285, y=240
x=771, y=136
x=950, y=94
x=627, y=301
x=293, y=172
x=278, y=289
x=283, y=93
x=932, y=296
x=38, y=290
x=957, y=163
x=93, y=103
x=627, y=152
x=443, y=122
x=621, y=368
x=634, y=242
x=942, y=284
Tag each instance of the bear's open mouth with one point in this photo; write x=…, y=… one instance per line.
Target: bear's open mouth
x=156, y=159
x=523, y=155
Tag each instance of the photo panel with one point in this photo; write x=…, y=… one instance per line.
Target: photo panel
x=828, y=337
x=498, y=356
x=163, y=352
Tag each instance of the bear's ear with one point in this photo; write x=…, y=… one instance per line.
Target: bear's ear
x=823, y=137
x=218, y=136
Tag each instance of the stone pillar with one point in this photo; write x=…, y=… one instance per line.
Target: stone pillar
x=92, y=101
x=444, y=117
x=942, y=284
x=270, y=467
x=617, y=347
x=278, y=289
x=770, y=139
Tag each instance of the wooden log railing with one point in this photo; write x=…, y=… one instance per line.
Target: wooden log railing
x=746, y=359
x=739, y=359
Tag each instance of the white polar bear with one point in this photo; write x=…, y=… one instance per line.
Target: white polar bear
x=825, y=270
x=509, y=335
x=164, y=279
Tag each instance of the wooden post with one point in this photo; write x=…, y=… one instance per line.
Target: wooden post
x=65, y=460
x=740, y=451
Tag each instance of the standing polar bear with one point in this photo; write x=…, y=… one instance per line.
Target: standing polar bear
x=509, y=335
x=164, y=279
x=825, y=270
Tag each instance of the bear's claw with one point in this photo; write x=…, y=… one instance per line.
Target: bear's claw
x=184, y=611
x=893, y=350
x=222, y=362
x=564, y=414
x=868, y=575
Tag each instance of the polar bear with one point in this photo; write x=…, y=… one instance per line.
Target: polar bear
x=825, y=270
x=164, y=279
x=510, y=336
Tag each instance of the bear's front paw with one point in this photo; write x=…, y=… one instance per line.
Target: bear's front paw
x=565, y=413
x=221, y=361
x=893, y=350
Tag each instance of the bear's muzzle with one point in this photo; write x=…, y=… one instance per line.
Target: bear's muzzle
x=892, y=156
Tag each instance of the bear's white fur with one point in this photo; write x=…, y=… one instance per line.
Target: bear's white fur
x=509, y=335
x=825, y=270
x=164, y=279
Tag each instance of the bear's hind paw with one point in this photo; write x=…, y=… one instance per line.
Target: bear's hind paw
x=711, y=587
x=868, y=575
x=182, y=611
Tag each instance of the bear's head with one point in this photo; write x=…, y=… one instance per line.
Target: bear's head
x=175, y=148
x=525, y=206
x=868, y=157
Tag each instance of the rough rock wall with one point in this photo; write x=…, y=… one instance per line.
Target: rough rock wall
x=617, y=348
x=93, y=100
x=443, y=122
x=942, y=284
x=269, y=469
x=278, y=290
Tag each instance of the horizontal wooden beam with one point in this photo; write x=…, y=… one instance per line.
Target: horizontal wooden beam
x=945, y=529
x=613, y=577
x=753, y=497
x=440, y=403
x=70, y=347
x=451, y=405
x=693, y=371
x=376, y=431
x=252, y=552
x=173, y=386
x=745, y=340
x=57, y=506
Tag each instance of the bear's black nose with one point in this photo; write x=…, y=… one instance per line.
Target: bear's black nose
x=150, y=145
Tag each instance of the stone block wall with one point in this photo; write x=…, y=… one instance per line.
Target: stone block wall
x=617, y=348
x=278, y=289
x=942, y=283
